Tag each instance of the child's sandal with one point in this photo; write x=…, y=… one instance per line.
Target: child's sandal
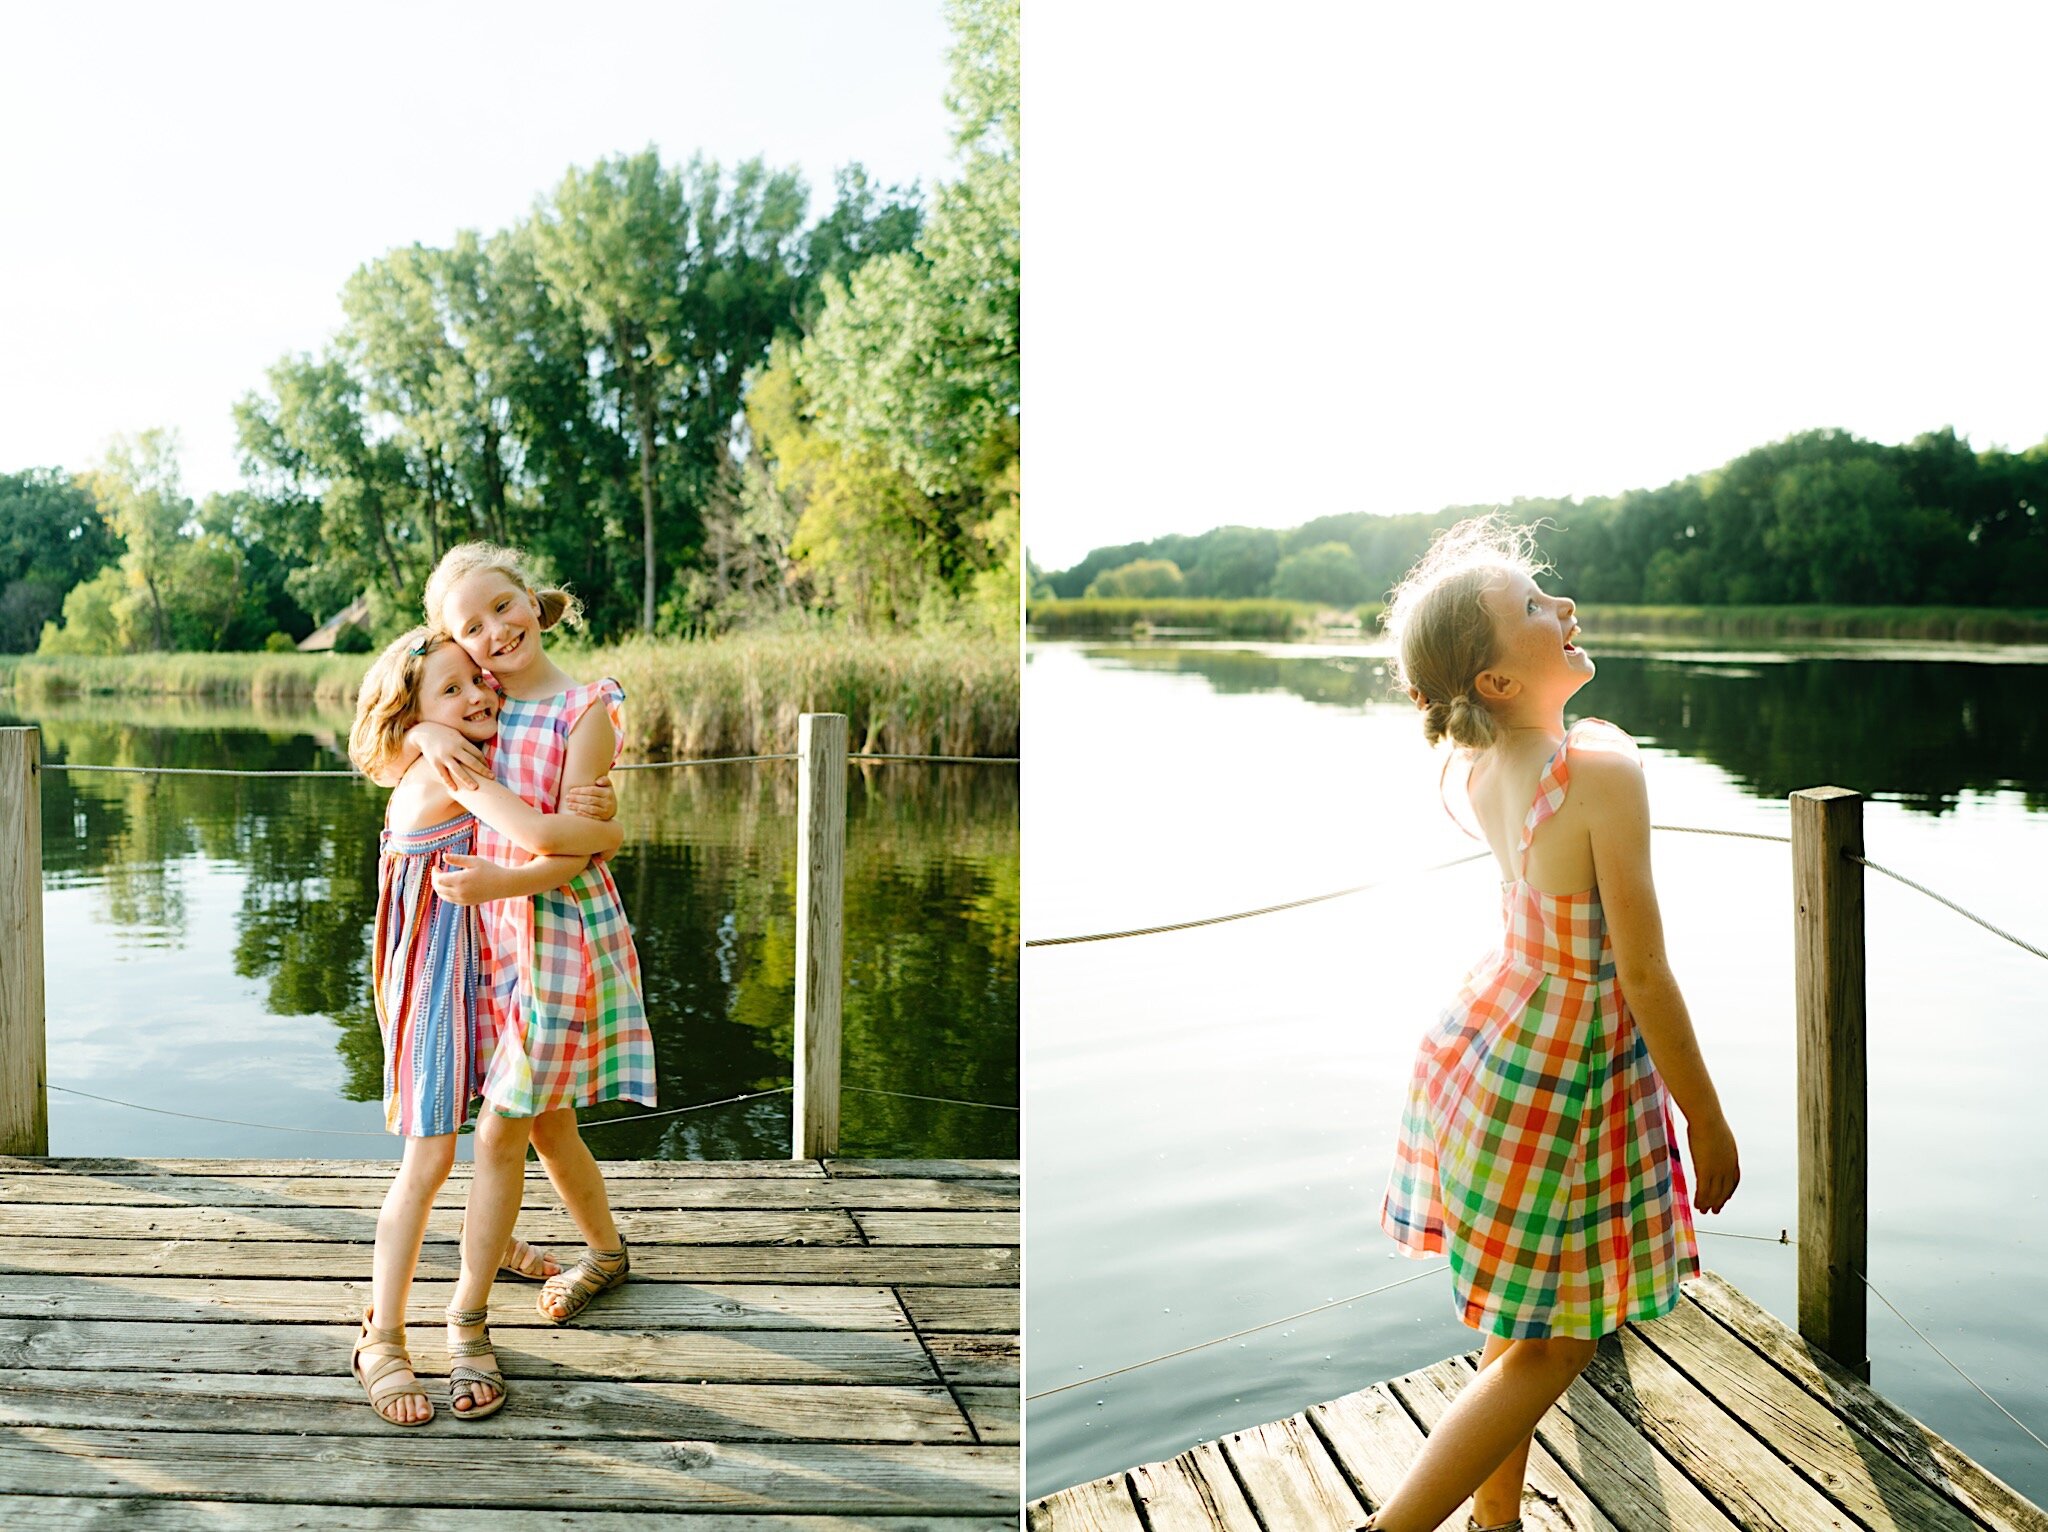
x=518, y=1259
x=593, y=1273
x=463, y=1380
x=387, y=1354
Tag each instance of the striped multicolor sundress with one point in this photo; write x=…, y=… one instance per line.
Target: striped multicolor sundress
x=1536, y=1147
x=563, y=1013
x=426, y=975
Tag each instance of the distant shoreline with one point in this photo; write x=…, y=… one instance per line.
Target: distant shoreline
x=1085, y=617
x=738, y=695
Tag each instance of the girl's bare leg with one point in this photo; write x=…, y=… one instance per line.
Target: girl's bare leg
x=1499, y=1498
x=401, y=1226
x=577, y=1181
x=495, y=1191
x=1490, y=1420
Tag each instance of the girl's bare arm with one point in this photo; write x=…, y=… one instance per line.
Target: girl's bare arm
x=590, y=750
x=1616, y=804
x=477, y=880
x=547, y=834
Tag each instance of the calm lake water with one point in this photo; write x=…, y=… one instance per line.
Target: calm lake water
x=208, y=945
x=1213, y=1112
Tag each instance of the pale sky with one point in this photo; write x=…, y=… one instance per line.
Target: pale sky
x=184, y=188
x=1292, y=259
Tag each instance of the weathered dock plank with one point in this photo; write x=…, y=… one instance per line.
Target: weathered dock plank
x=359, y=1225
x=395, y=1467
x=383, y=1166
x=966, y=1309
x=1196, y=1489
x=671, y=1194
x=840, y=1265
x=1289, y=1477
x=637, y=1305
x=725, y=1356
x=55, y=1513
x=1103, y=1505
x=1714, y=1418
x=331, y=1404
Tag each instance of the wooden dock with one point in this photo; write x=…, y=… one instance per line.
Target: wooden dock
x=805, y=1346
x=1713, y=1418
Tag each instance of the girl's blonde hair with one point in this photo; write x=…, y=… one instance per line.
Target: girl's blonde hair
x=388, y=702
x=1444, y=635
x=465, y=559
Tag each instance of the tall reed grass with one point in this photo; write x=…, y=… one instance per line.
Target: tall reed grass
x=1952, y=624
x=736, y=695
x=1099, y=616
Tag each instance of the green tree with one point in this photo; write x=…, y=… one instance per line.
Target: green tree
x=1235, y=561
x=137, y=490
x=916, y=356
x=679, y=281
x=1141, y=578
x=52, y=537
x=1327, y=572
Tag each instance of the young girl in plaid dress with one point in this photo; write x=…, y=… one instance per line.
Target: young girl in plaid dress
x=1536, y=1147
x=562, y=992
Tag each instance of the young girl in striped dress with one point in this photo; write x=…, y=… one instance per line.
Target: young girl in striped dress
x=1536, y=1148
x=425, y=969
x=563, y=992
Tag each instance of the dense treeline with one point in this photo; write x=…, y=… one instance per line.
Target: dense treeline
x=696, y=407
x=1819, y=517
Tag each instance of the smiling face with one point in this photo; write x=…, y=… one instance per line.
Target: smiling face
x=494, y=619
x=1533, y=636
x=453, y=692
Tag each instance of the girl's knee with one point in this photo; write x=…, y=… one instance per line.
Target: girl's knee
x=555, y=1131
x=1566, y=1354
x=429, y=1158
x=502, y=1138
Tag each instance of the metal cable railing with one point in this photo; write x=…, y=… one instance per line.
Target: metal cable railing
x=852, y=759
x=1359, y=888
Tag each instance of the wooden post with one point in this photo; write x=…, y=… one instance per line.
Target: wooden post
x=1834, y=1136
x=820, y=904
x=24, y=1069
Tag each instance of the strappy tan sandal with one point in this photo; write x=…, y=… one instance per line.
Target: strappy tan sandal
x=386, y=1352
x=592, y=1274
x=519, y=1259
x=462, y=1378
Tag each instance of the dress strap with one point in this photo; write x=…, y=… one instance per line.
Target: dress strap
x=1551, y=787
x=1557, y=777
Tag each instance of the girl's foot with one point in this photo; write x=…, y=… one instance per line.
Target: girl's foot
x=380, y=1363
x=475, y=1385
x=569, y=1294
x=528, y=1261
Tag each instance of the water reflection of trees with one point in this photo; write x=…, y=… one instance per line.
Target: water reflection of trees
x=708, y=876
x=1921, y=731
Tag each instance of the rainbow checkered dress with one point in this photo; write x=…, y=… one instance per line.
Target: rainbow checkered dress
x=1536, y=1148
x=562, y=1011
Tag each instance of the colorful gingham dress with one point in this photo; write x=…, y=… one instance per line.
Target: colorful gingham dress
x=1536, y=1147
x=564, y=1016
x=425, y=975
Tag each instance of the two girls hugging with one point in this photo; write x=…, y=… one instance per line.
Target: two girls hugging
x=503, y=968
